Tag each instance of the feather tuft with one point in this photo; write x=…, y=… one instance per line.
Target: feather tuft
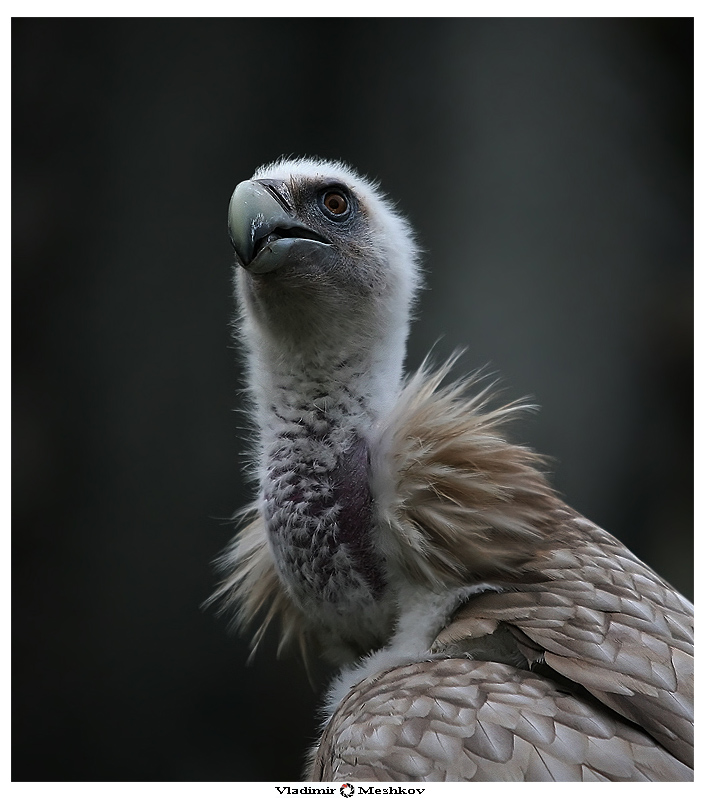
x=252, y=589
x=461, y=501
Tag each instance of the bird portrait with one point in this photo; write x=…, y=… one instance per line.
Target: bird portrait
x=482, y=629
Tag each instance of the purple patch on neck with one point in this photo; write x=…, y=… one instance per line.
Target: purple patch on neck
x=312, y=515
x=351, y=492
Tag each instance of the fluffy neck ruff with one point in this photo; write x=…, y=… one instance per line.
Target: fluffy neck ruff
x=455, y=505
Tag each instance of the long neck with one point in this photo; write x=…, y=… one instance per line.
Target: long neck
x=316, y=421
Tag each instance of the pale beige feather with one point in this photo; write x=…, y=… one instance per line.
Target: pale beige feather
x=599, y=616
x=466, y=504
x=252, y=589
x=462, y=720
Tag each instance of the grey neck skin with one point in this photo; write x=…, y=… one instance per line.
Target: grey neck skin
x=316, y=424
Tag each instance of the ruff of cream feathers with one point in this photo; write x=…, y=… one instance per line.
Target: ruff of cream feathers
x=454, y=501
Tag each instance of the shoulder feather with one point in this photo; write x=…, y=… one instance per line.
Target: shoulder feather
x=461, y=501
x=462, y=720
x=597, y=615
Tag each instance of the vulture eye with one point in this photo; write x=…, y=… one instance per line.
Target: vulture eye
x=335, y=204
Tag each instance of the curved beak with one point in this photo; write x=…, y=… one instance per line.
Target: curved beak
x=264, y=229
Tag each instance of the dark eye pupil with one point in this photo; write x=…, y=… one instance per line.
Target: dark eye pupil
x=335, y=203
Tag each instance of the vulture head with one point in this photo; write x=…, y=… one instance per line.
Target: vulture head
x=329, y=268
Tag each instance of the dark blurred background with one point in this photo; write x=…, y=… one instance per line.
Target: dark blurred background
x=547, y=166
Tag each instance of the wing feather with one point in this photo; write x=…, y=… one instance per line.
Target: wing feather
x=484, y=722
x=606, y=621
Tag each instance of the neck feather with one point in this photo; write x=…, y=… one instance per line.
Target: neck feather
x=316, y=423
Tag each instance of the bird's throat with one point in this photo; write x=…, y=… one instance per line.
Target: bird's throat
x=319, y=512
x=318, y=509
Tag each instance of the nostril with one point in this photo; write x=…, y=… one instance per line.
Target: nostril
x=279, y=191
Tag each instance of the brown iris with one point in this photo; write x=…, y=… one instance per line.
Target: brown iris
x=336, y=203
